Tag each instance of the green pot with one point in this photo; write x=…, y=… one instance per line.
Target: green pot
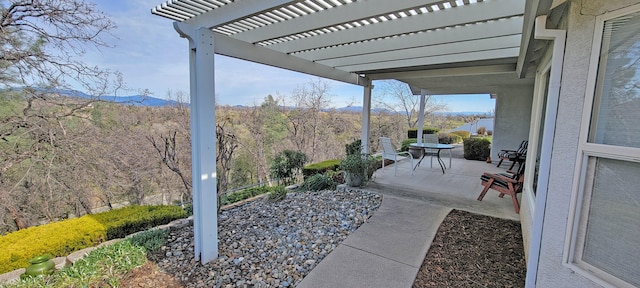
x=40, y=265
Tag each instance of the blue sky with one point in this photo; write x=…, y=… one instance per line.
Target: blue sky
x=151, y=55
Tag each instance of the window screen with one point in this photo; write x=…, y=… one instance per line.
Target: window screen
x=616, y=112
x=612, y=235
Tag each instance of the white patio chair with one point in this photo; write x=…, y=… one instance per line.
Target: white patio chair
x=433, y=139
x=390, y=152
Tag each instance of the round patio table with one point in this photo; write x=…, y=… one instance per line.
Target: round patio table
x=435, y=146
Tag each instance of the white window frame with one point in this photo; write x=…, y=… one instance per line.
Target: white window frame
x=534, y=130
x=581, y=190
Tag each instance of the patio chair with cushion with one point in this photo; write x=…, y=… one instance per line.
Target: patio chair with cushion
x=506, y=183
x=515, y=156
x=390, y=152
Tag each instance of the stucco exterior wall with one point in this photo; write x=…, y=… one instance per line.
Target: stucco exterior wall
x=580, y=29
x=513, y=114
x=526, y=223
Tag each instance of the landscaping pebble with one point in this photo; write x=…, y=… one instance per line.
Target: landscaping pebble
x=265, y=244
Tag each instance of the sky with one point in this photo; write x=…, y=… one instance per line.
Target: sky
x=151, y=55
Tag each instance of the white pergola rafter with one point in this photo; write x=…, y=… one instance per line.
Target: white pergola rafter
x=332, y=38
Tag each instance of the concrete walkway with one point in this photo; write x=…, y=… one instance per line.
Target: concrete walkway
x=386, y=251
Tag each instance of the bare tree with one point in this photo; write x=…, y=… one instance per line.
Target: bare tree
x=309, y=100
x=227, y=145
x=396, y=96
x=41, y=42
x=168, y=153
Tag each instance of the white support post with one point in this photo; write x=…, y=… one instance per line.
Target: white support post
x=203, y=140
x=423, y=98
x=366, y=117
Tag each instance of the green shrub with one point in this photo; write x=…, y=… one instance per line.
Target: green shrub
x=188, y=208
x=476, y=149
x=151, y=240
x=277, y=194
x=321, y=167
x=463, y=134
x=122, y=222
x=413, y=132
x=354, y=147
x=287, y=165
x=243, y=194
x=318, y=182
x=405, y=144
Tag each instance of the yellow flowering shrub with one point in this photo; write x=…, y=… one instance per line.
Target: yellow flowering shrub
x=57, y=238
x=65, y=237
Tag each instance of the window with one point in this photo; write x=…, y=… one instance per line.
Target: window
x=604, y=235
x=536, y=131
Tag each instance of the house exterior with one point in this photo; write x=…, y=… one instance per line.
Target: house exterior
x=564, y=76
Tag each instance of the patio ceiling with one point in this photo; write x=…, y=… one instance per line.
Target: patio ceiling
x=451, y=46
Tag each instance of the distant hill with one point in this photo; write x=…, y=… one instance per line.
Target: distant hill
x=139, y=100
x=134, y=100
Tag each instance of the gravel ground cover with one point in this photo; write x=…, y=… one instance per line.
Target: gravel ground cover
x=262, y=244
x=257, y=250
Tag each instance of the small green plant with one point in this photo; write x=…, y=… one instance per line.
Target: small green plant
x=151, y=240
x=318, y=182
x=358, y=169
x=105, y=265
x=277, y=194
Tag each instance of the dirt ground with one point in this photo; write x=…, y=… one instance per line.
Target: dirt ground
x=471, y=250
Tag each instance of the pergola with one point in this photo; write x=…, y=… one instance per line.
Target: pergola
x=435, y=46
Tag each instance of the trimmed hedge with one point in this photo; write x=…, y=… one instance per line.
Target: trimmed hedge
x=413, y=132
x=405, y=144
x=462, y=133
x=320, y=167
x=444, y=138
x=477, y=149
x=65, y=237
x=244, y=194
x=128, y=220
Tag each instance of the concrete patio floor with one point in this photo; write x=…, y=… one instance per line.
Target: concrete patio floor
x=458, y=188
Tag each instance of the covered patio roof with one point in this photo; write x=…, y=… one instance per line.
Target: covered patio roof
x=435, y=46
x=442, y=47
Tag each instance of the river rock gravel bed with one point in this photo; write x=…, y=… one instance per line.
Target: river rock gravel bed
x=264, y=244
